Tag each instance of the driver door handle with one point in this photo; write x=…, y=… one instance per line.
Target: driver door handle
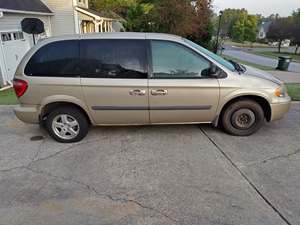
x=159, y=92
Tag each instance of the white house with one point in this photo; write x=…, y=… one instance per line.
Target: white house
x=59, y=17
x=263, y=30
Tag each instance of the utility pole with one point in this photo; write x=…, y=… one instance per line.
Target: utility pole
x=218, y=34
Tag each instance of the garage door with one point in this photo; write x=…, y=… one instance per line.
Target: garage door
x=14, y=47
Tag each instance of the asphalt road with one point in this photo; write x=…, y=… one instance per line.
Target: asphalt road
x=260, y=60
x=151, y=175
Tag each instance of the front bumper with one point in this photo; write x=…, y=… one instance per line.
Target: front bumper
x=280, y=109
x=27, y=113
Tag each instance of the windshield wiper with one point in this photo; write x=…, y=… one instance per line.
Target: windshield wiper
x=238, y=67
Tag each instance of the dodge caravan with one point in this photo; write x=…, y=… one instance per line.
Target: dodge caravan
x=71, y=82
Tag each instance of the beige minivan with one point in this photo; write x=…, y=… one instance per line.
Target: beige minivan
x=71, y=82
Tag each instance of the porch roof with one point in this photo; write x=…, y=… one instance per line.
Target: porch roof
x=98, y=15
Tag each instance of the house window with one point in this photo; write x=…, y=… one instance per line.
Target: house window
x=6, y=37
x=18, y=35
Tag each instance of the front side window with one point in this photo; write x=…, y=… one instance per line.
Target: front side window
x=57, y=59
x=123, y=59
x=172, y=60
x=214, y=56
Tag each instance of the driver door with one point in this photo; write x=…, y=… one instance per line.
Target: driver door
x=179, y=90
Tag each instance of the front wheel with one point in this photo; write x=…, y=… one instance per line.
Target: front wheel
x=243, y=118
x=67, y=125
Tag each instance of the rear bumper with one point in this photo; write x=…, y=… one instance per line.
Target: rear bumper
x=280, y=109
x=27, y=113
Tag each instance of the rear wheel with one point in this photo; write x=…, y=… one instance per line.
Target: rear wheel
x=67, y=125
x=243, y=118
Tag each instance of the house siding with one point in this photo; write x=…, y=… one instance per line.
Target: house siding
x=63, y=21
x=12, y=21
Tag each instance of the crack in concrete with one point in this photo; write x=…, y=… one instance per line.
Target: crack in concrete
x=35, y=158
x=105, y=195
x=276, y=157
x=39, y=150
x=12, y=168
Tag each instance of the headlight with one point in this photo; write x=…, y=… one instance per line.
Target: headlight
x=281, y=92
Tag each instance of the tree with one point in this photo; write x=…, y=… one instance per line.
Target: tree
x=173, y=16
x=238, y=30
x=137, y=18
x=296, y=14
x=279, y=30
x=188, y=18
x=118, y=6
x=239, y=25
x=297, y=39
x=202, y=26
x=296, y=29
x=250, y=31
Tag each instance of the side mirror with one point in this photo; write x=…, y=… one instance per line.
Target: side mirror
x=212, y=71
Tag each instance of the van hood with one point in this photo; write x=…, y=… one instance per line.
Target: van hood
x=250, y=71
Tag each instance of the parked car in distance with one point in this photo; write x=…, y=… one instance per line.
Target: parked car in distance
x=71, y=82
x=285, y=43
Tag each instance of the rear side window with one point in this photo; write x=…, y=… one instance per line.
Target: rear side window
x=57, y=59
x=113, y=59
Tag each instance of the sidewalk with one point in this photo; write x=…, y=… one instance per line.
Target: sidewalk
x=287, y=77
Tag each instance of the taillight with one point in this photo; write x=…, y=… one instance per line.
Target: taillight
x=20, y=87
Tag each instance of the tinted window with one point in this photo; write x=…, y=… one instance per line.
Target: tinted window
x=172, y=60
x=57, y=59
x=113, y=59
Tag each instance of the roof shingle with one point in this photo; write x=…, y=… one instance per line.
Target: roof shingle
x=25, y=5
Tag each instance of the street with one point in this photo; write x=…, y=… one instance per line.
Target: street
x=238, y=53
x=183, y=174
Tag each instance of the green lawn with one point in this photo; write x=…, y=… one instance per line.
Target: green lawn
x=294, y=91
x=249, y=64
x=247, y=44
x=8, y=97
x=275, y=55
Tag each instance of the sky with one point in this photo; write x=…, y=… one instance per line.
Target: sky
x=264, y=7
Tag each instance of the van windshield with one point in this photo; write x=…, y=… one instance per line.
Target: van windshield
x=215, y=57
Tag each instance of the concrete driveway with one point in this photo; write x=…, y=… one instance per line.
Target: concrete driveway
x=151, y=175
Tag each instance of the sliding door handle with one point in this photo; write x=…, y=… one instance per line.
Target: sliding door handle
x=159, y=92
x=137, y=92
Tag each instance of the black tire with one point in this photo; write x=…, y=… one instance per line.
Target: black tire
x=82, y=128
x=243, y=118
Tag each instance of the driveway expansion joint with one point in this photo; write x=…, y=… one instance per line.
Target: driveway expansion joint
x=266, y=200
